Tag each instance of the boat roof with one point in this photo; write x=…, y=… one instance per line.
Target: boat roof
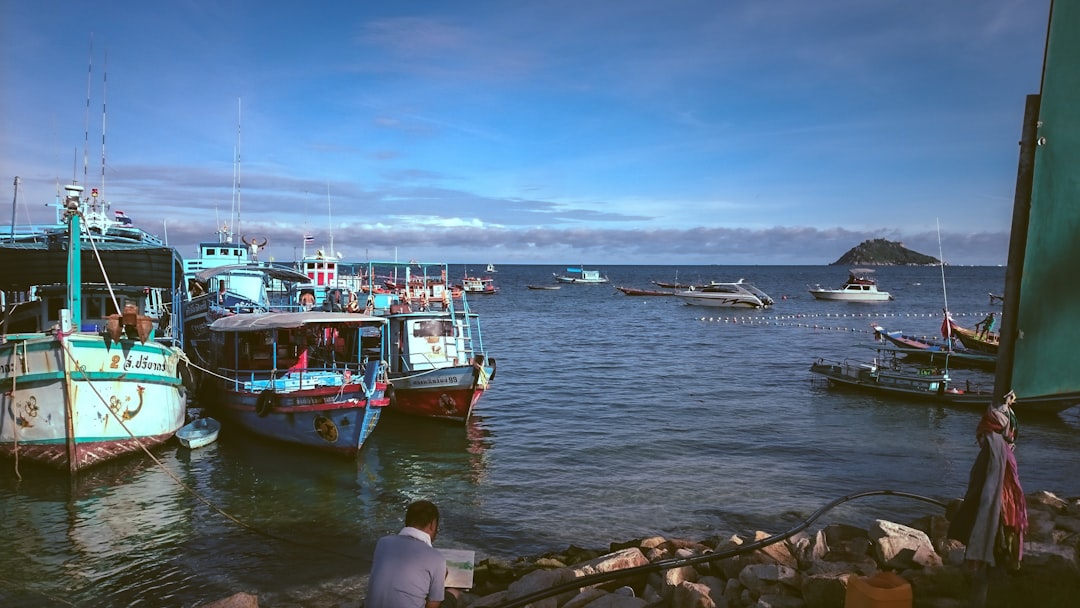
x=28, y=264
x=260, y=321
x=274, y=272
x=862, y=270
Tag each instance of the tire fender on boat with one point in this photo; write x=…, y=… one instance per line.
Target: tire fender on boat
x=390, y=395
x=267, y=400
x=494, y=368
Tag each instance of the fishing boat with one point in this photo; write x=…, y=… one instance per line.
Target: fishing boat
x=938, y=352
x=90, y=357
x=313, y=379
x=484, y=286
x=859, y=287
x=579, y=275
x=544, y=287
x=198, y=433
x=491, y=269
x=888, y=376
x=739, y=294
x=634, y=291
x=437, y=365
x=983, y=342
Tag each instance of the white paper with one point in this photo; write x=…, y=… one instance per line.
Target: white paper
x=459, y=567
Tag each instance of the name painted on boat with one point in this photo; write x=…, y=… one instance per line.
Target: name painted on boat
x=442, y=381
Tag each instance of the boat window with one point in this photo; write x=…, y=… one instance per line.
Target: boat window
x=426, y=329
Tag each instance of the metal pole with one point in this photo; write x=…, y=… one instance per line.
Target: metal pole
x=14, y=202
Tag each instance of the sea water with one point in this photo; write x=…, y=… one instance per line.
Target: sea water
x=610, y=418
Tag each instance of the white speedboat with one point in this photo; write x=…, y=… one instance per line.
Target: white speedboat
x=860, y=287
x=739, y=294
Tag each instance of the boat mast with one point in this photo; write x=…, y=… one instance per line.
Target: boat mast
x=14, y=206
x=236, y=176
x=944, y=292
x=86, y=113
x=330, y=219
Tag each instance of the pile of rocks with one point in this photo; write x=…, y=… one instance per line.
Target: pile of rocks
x=806, y=570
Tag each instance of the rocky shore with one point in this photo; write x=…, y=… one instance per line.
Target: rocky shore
x=807, y=570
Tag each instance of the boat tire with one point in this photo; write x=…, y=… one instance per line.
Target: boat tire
x=494, y=368
x=390, y=395
x=267, y=400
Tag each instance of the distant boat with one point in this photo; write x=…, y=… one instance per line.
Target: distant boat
x=860, y=287
x=739, y=294
x=479, y=285
x=491, y=268
x=544, y=287
x=198, y=433
x=634, y=291
x=580, y=275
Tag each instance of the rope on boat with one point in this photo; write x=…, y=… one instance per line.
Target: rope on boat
x=667, y=564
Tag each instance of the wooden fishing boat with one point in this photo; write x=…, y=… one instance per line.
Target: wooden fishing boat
x=976, y=341
x=938, y=352
x=89, y=361
x=198, y=433
x=437, y=365
x=634, y=291
x=888, y=376
x=544, y=287
x=484, y=286
x=578, y=275
x=313, y=379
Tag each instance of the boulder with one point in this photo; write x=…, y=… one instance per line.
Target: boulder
x=897, y=545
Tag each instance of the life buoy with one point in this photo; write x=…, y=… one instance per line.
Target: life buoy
x=267, y=400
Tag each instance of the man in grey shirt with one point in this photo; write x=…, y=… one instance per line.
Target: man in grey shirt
x=407, y=572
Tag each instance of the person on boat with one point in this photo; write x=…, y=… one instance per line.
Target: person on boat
x=480, y=376
x=307, y=300
x=221, y=293
x=332, y=303
x=423, y=300
x=406, y=570
x=987, y=325
x=992, y=519
x=369, y=306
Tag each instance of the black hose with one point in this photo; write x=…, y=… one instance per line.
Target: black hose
x=667, y=564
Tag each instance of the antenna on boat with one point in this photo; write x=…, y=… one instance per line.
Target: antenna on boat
x=104, y=90
x=330, y=219
x=14, y=206
x=236, y=174
x=86, y=114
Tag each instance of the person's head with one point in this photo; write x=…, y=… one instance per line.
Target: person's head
x=479, y=359
x=1010, y=398
x=221, y=287
x=423, y=515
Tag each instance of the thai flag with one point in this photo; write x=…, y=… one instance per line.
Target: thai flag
x=121, y=218
x=309, y=238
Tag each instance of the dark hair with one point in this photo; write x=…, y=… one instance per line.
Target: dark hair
x=421, y=513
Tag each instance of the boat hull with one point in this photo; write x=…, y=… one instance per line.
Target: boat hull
x=931, y=388
x=720, y=300
x=449, y=393
x=847, y=296
x=74, y=401
x=334, y=419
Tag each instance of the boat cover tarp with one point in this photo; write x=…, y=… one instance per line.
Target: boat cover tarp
x=1048, y=317
x=262, y=321
x=28, y=264
x=281, y=274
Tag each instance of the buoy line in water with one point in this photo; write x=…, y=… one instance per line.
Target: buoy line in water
x=794, y=320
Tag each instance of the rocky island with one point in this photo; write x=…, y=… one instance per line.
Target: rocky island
x=882, y=252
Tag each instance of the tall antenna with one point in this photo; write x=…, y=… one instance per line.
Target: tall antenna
x=236, y=172
x=104, y=89
x=330, y=219
x=86, y=117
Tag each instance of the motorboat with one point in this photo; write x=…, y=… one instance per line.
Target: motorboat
x=634, y=291
x=479, y=285
x=859, y=287
x=739, y=294
x=544, y=287
x=578, y=274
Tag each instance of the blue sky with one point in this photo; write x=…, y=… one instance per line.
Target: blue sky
x=639, y=132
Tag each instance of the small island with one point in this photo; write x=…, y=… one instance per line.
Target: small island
x=882, y=252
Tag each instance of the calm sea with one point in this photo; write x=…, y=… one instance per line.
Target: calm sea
x=611, y=417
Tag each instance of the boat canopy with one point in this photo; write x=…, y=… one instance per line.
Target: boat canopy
x=274, y=272
x=29, y=264
x=257, y=321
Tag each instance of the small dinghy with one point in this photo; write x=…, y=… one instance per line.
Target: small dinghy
x=198, y=432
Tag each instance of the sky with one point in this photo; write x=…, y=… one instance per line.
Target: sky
x=556, y=132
